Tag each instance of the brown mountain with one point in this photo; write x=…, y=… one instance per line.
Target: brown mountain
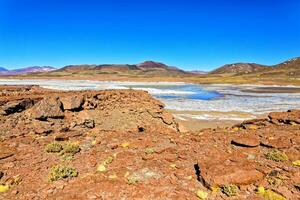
x=150, y=68
x=239, y=68
x=290, y=67
x=151, y=65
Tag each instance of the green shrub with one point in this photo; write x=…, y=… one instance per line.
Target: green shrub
x=70, y=148
x=149, y=150
x=54, y=147
x=276, y=155
x=230, y=190
x=61, y=172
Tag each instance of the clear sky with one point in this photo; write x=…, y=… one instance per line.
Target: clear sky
x=191, y=34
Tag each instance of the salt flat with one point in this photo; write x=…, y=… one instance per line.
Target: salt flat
x=193, y=101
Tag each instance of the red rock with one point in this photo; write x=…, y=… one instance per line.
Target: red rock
x=17, y=106
x=167, y=118
x=49, y=107
x=72, y=102
x=285, y=117
x=230, y=174
x=246, y=140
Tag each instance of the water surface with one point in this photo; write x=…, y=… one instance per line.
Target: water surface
x=207, y=100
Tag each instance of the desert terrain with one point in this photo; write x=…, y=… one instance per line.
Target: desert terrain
x=123, y=144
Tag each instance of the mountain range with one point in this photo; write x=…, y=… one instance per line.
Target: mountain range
x=289, y=68
x=26, y=70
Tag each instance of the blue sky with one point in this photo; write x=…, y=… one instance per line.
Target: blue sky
x=190, y=34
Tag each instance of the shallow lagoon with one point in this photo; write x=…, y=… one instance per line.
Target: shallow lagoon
x=191, y=97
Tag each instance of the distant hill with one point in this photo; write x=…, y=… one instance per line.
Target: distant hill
x=198, y=72
x=151, y=65
x=26, y=70
x=145, y=68
x=2, y=69
x=239, y=68
x=289, y=68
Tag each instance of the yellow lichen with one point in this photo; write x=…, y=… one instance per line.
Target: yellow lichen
x=3, y=188
x=149, y=151
x=101, y=168
x=269, y=194
x=274, y=181
x=201, y=194
x=296, y=163
x=125, y=144
x=108, y=160
x=261, y=190
x=113, y=176
x=215, y=189
x=235, y=129
x=173, y=166
x=276, y=155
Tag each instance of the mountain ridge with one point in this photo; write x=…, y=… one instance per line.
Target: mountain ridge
x=253, y=68
x=26, y=70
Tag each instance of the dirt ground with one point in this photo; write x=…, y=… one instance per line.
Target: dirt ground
x=123, y=144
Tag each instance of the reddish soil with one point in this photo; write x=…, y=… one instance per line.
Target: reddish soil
x=131, y=148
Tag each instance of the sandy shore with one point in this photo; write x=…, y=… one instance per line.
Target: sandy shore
x=197, y=120
x=275, y=89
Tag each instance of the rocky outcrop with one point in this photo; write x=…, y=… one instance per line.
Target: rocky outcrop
x=49, y=107
x=16, y=106
x=53, y=111
x=290, y=117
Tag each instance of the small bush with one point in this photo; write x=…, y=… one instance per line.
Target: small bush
x=149, y=150
x=132, y=180
x=62, y=172
x=276, y=156
x=108, y=160
x=274, y=181
x=54, y=147
x=70, y=148
x=230, y=190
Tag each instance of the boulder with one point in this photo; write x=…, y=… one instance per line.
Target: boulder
x=292, y=116
x=49, y=107
x=246, y=140
x=221, y=174
x=84, y=120
x=73, y=103
x=42, y=128
x=16, y=106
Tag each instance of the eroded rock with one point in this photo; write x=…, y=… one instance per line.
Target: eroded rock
x=73, y=103
x=246, y=140
x=230, y=174
x=16, y=106
x=49, y=107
